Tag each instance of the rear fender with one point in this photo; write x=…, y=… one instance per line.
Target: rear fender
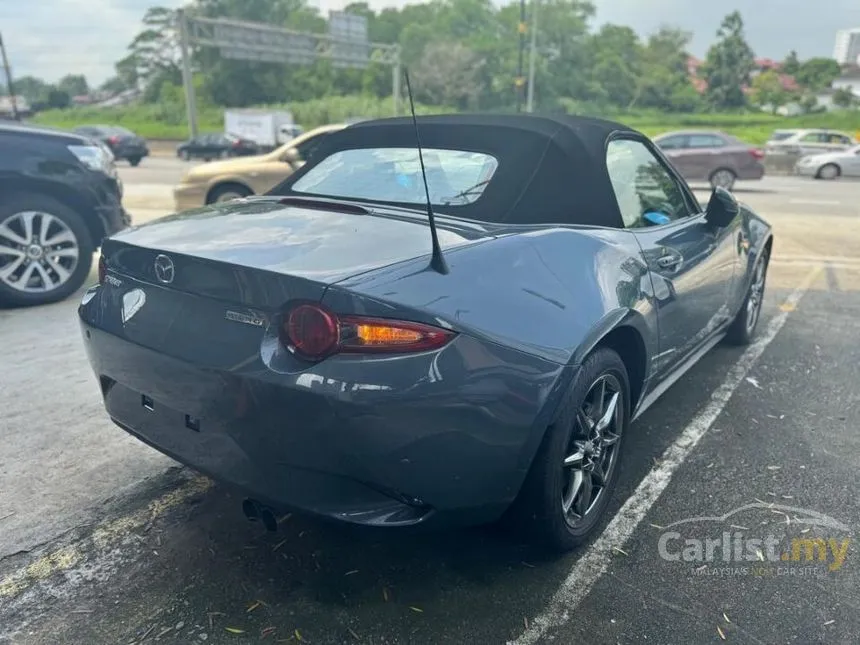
x=551, y=295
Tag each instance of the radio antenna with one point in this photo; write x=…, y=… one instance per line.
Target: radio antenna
x=437, y=261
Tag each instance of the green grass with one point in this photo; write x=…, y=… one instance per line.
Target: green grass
x=167, y=121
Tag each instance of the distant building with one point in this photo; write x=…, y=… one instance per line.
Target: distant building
x=20, y=103
x=847, y=48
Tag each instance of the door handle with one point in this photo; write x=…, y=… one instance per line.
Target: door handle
x=670, y=261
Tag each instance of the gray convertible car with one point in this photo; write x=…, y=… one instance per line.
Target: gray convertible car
x=360, y=349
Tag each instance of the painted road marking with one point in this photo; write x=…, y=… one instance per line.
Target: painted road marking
x=816, y=202
x=96, y=556
x=594, y=563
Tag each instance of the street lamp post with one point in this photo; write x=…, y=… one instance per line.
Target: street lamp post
x=520, y=80
x=532, y=58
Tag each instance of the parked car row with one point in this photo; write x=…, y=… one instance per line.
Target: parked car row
x=721, y=159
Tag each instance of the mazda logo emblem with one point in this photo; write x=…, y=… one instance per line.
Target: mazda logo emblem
x=164, y=269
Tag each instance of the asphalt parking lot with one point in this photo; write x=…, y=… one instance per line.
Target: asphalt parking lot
x=103, y=540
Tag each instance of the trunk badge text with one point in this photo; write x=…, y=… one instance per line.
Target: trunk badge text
x=248, y=319
x=164, y=269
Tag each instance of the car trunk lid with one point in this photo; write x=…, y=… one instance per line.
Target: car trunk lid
x=214, y=273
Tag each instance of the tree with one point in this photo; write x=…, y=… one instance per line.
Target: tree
x=728, y=64
x=446, y=75
x=817, y=74
x=74, y=85
x=791, y=64
x=615, y=65
x=664, y=81
x=844, y=98
x=153, y=55
x=767, y=90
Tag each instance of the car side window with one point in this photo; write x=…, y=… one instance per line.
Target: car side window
x=672, y=143
x=811, y=138
x=646, y=192
x=705, y=141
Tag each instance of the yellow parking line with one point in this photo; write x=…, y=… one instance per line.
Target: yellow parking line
x=104, y=537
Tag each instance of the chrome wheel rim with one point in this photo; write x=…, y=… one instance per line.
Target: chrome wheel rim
x=828, y=172
x=38, y=252
x=755, y=297
x=724, y=179
x=592, y=452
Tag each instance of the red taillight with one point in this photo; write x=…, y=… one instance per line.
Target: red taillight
x=756, y=153
x=313, y=332
x=237, y=144
x=114, y=139
x=102, y=269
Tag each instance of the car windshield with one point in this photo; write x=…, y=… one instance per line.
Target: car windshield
x=454, y=177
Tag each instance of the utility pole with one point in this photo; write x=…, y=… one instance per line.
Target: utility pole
x=187, y=78
x=520, y=80
x=9, y=85
x=532, y=57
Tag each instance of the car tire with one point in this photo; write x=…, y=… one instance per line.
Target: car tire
x=185, y=155
x=723, y=178
x=742, y=329
x=134, y=161
x=829, y=172
x=69, y=275
x=226, y=192
x=548, y=500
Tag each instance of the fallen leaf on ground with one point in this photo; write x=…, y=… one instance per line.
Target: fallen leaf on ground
x=235, y=630
x=726, y=617
x=254, y=605
x=419, y=610
x=353, y=634
x=721, y=632
x=829, y=622
x=385, y=594
x=753, y=381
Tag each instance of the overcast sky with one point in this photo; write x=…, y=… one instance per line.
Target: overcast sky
x=50, y=38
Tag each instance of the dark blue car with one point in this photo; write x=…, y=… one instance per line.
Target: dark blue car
x=323, y=348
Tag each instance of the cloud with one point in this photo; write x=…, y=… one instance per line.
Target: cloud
x=50, y=38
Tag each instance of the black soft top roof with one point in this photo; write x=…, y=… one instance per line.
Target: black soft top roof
x=552, y=169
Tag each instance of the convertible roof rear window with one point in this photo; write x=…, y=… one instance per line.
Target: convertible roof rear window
x=454, y=177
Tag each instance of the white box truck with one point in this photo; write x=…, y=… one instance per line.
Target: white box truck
x=265, y=127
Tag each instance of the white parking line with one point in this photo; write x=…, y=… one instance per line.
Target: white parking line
x=816, y=202
x=594, y=563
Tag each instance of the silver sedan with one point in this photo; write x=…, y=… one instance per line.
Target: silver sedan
x=830, y=165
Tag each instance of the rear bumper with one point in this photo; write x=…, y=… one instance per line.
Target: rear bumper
x=428, y=453
x=130, y=152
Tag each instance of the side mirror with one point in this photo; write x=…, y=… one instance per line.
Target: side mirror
x=722, y=208
x=290, y=155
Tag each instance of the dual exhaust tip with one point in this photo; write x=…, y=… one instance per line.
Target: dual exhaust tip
x=257, y=512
